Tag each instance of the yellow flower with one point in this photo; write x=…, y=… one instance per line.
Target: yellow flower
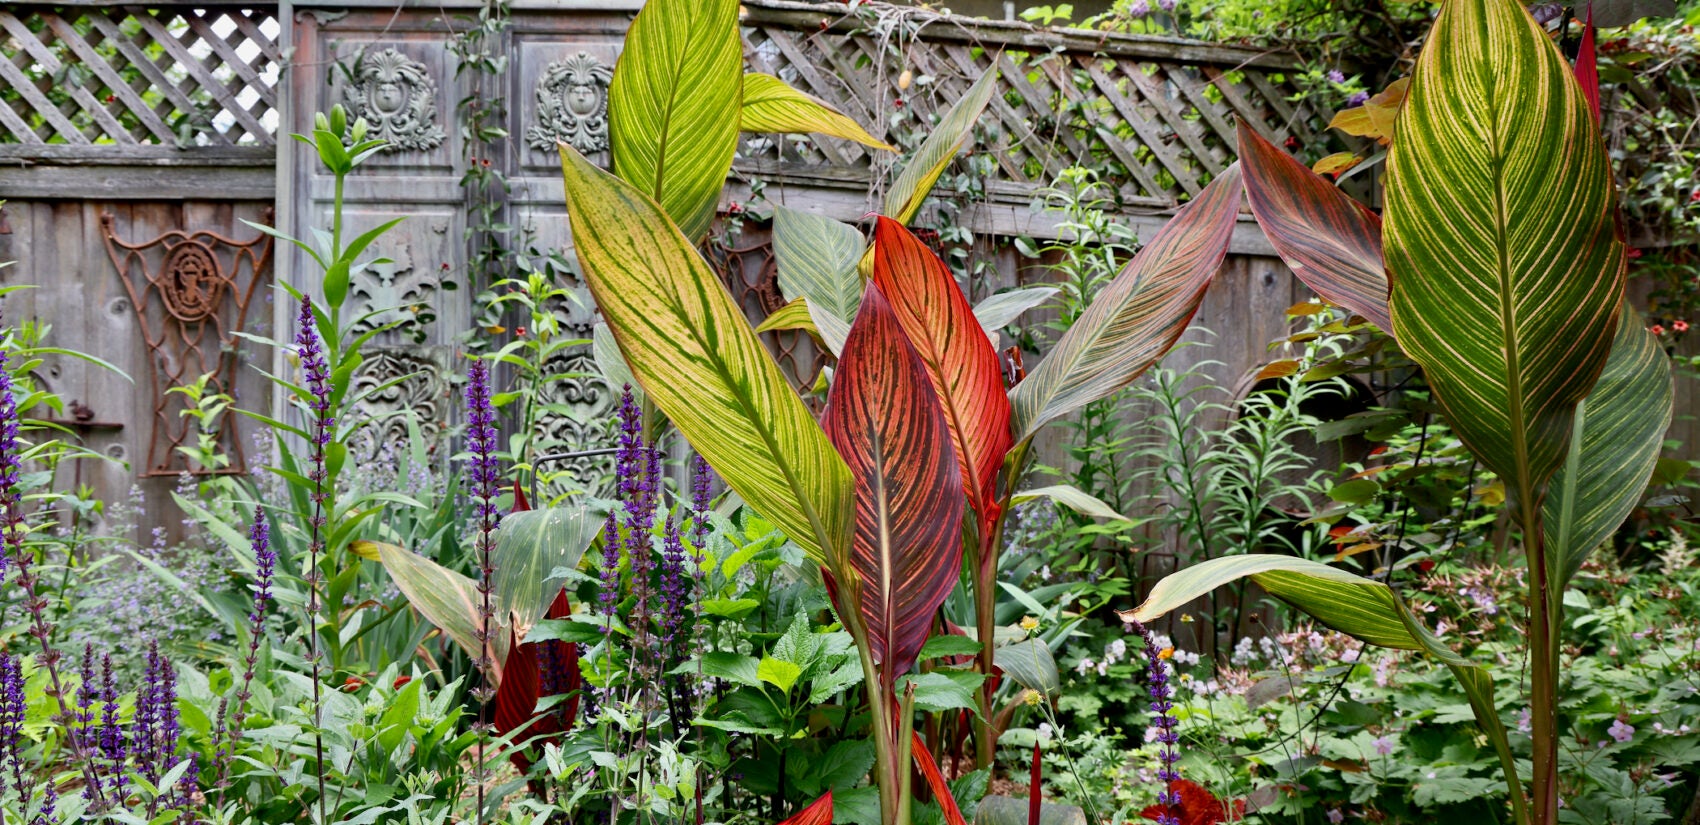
x=1032, y=697
x=1166, y=653
x=1029, y=623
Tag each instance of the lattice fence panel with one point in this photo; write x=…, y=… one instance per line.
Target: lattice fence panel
x=1162, y=126
x=164, y=76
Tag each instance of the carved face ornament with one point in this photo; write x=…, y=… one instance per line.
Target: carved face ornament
x=572, y=105
x=396, y=96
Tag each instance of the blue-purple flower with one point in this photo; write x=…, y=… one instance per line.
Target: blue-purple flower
x=1163, y=719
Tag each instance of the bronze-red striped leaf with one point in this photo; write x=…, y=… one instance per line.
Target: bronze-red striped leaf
x=886, y=421
x=1331, y=242
x=959, y=359
x=1138, y=316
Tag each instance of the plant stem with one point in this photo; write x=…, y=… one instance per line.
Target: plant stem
x=1543, y=681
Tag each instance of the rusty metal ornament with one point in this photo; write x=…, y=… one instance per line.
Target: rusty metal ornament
x=190, y=291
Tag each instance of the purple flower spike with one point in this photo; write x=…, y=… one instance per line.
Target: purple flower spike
x=1163, y=719
x=481, y=441
x=12, y=710
x=675, y=594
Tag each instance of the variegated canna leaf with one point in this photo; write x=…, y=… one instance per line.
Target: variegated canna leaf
x=953, y=131
x=672, y=104
x=1331, y=242
x=1614, y=446
x=1138, y=316
x=959, y=359
x=689, y=346
x=1506, y=268
x=772, y=106
x=886, y=421
x=816, y=259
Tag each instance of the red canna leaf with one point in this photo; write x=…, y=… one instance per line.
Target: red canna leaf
x=1034, y=797
x=1588, y=65
x=520, y=504
x=819, y=812
x=885, y=420
x=1199, y=806
x=516, y=698
x=935, y=781
x=1332, y=243
x=960, y=360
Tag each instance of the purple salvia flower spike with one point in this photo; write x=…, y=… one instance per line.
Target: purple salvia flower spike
x=486, y=485
x=317, y=372
x=1163, y=718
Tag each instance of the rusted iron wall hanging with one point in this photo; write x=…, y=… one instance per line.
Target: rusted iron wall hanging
x=191, y=292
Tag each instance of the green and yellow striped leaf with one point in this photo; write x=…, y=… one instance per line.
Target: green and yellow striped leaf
x=1331, y=242
x=676, y=86
x=887, y=423
x=953, y=132
x=794, y=315
x=532, y=544
x=1506, y=267
x=445, y=598
x=816, y=258
x=772, y=106
x=1362, y=608
x=688, y=344
x=1614, y=446
x=1138, y=316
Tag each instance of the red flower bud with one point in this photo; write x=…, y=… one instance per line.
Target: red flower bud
x=399, y=681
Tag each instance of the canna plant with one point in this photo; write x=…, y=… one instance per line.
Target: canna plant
x=921, y=449
x=1506, y=262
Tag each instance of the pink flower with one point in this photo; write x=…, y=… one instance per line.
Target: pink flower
x=1621, y=731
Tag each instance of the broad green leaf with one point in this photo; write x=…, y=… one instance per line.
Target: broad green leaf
x=1331, y=242
x=1500, y=237
x=1138, y=316
x=733, y=667
x=696, y=357
x=672, y=127
x=778, y=672
x=1614, y=446
x=445, y=598
x=886, y=421
x=1363, y=608
x=1071, y=497
x=611, y=363
x=949, y=645
x=530, y=545
x=1031, y=665
x=772, y=106
x=953, y=132
x=1001, y=310
x=935, y=692
x=816, y=259
x=794, y=315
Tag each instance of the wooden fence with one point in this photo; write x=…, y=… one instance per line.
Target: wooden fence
x=135, y=140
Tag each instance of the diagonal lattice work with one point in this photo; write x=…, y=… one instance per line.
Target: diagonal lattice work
x=165, y=76
x=1158, y=114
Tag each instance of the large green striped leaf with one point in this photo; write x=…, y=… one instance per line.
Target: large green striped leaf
x=445, y=598
x=689, y=346
x=958, y=358
x=1138, y=316
x=772, y=106
x=816, y=258
x=1331, y=242
x=1501, y=246
x=953, y=131
x=1363, y=608
x=531, y=545
x=885, y=419
x=1614, y=445
x=671, y=105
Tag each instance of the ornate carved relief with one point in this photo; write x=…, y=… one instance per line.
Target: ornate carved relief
x=422, y=392
x=397, y=97
x=392, y=291
x=572, y=105
x=190, y=292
